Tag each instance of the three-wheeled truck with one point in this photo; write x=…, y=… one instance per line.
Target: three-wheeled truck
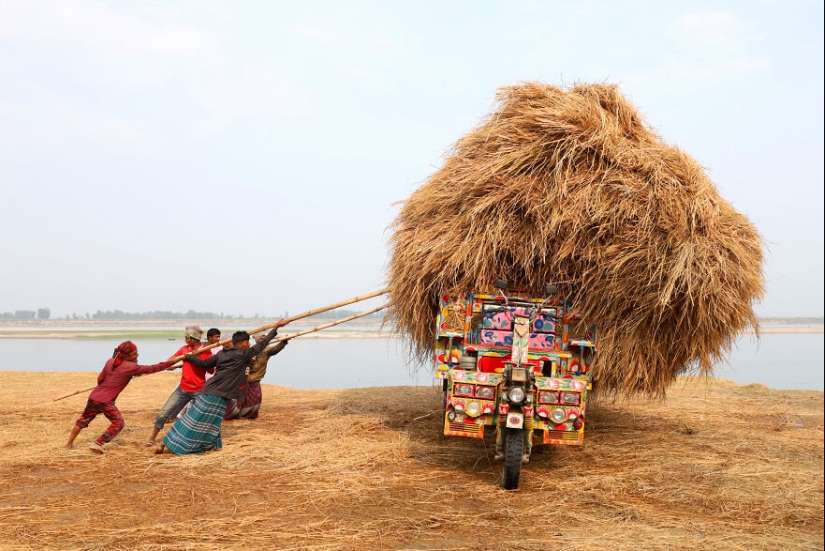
x=507, y=362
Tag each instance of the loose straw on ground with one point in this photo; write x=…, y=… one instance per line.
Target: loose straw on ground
x=721, y=466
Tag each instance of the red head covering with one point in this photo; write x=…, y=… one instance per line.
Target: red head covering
x=123, y=350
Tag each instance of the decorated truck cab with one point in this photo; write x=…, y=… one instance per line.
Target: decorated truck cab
x=508, y=365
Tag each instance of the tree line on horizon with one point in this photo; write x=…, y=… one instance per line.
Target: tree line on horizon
x=45, y=313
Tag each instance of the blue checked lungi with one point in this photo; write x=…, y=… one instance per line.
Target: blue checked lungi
x=199, y=429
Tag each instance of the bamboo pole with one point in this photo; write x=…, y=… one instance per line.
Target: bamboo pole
x=327, y=325
x=291, y=319
x=75, y=392
x=271, y=325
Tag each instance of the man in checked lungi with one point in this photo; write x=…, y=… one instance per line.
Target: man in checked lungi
x=199, y=429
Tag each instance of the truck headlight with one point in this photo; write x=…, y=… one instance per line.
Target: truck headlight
x=558, y=416
x=473, y=409
x=570, y=398
x=516, y=395
x=463, y=390
x=548, y=397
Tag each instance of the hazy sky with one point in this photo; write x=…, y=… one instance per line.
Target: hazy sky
x=245, y=157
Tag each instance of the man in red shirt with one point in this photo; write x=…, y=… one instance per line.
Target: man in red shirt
x=192, y=380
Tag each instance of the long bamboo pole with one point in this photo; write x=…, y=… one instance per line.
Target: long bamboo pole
x=271, y=325
x=328, y=325
x=75, y=392
x=291, y=319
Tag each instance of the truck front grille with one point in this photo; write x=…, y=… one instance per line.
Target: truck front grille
x=563, y=435
x=456, y=428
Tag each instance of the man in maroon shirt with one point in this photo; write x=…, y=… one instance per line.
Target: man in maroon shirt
x=114, y=377
x=192, y=379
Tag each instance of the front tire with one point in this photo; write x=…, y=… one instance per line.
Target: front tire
x=513, y=453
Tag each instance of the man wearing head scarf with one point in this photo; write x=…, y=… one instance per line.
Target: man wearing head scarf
x=192, y=379
x=114, y=377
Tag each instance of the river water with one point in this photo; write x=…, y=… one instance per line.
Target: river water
x=786, y=361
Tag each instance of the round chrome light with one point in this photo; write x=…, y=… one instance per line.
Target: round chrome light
x=516, y=395
x=558, y=416
x=473, y=409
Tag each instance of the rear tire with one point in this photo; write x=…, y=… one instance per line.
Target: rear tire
x=513, y=451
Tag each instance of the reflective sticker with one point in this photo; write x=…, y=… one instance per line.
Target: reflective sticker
x=515, y=420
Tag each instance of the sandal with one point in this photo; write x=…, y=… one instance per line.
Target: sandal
x=95, y=447
x=149, y=444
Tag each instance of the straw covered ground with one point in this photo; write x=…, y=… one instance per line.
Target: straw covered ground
x=719, y=467
x=572, y=187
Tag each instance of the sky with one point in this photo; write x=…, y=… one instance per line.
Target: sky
x=247, y=158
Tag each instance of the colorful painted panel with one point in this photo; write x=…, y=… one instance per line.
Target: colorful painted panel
x=550, y=383
x=521, y=339
x=498, y=338
x=442, y=357
x=497, y=319
x=475, y=377
x=544, y=324
x=542, y=341
x=492, y=337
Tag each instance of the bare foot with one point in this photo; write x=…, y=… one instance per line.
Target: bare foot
x=159, y=449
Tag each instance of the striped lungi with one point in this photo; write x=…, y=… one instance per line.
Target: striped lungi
x=199, y=429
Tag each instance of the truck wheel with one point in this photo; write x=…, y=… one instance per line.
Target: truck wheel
x=513, y=451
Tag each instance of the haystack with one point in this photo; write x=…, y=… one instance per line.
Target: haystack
x=572, y=187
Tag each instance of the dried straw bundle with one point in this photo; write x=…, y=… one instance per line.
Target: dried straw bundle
x=571, y=187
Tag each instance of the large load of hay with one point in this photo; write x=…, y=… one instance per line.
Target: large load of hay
x=571, y=187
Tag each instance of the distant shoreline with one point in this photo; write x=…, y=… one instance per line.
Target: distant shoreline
x=90, y=330
x=790, y=329
x=175, y=335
